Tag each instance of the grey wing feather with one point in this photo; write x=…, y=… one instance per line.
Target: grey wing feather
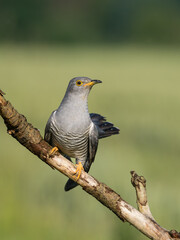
x=93, y=144
x=48, y=133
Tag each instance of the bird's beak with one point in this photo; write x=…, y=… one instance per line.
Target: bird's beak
x=93, y=82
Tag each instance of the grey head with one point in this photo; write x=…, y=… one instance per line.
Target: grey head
x=80, y=86
x=73, y=110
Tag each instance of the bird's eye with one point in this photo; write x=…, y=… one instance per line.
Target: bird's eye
x=79, y=82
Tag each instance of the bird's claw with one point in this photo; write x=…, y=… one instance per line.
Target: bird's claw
x=53, y=151
x=78, y=170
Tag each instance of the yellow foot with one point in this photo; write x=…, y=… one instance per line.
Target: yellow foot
x=78, y=170
x=53, y=151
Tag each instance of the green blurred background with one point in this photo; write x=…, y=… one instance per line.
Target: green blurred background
x=134, y=48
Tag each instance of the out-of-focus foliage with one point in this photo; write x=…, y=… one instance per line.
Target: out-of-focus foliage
x=148, y=21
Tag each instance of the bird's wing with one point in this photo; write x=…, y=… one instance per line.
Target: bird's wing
x=48, y=133
x=93, y=144
x=105, y=129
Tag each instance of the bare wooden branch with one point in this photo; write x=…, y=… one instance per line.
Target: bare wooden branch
x=139, y=182
x=30, y=137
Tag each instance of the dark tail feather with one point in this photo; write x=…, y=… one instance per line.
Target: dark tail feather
x=70, y=185
x=108, y=132
x=105, y=129
x=97, y=118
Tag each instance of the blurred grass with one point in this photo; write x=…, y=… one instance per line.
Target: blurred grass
x=139, y=94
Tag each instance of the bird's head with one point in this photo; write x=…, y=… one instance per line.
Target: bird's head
x=81, y=85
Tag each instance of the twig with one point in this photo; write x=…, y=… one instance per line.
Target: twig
x=30, y=137
x=139, y=182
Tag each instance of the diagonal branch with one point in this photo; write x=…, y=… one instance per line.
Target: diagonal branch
x=30, y=137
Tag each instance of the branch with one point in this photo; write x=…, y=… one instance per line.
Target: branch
x=139, y=182
x=30, y=137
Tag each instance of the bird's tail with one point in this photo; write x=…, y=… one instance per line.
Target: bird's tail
x=105, y=129
x=70, y=185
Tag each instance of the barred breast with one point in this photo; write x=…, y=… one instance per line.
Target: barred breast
x=74, y=145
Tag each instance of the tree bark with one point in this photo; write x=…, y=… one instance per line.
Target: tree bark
x=30, y=137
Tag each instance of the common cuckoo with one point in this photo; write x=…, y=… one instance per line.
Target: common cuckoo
x=73, y=130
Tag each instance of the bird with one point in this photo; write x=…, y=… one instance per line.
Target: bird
x=74, y=131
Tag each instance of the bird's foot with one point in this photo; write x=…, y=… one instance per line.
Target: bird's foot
x=78, y=170
x=53, y=151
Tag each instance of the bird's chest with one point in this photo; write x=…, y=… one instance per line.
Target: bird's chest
x=71, y=131
x=72, y=141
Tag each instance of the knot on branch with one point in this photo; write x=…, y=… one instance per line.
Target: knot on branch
x=137, y=180
x=174, y=234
